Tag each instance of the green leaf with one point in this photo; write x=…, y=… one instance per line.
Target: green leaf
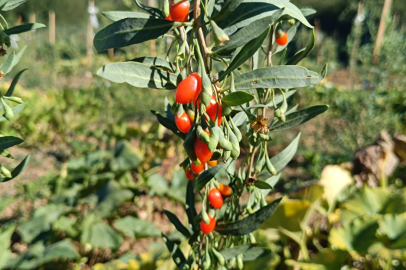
x=207, y=175
x=190, y=205
x=119, y=15
x=272, y=181
x=11, y=61
x=298, y=118
x=138, y=75
x=23, y=28
x=6, y=154
x=250, y=223
x=157, y=185
x=125, y=158
x=227, y=9
x=238, y=98
x=17, y=170
x=278, y=99
x=130, y=31
x=151, y=10
x=137, y=228
x=300, y=55
x=17, y=109
x=178, y=225
x=155, y=62
x=62, y=249
x=246, y=52
x=262, y=184
x=393, y=226
x=358, y=235
x=283, y=158
x=307, y=11
x=251, y=252
x=249, y=32
x=251, y=11
x=5, y=239
x=101, y=235
x=9, y=141
x=13, y=84
x=6, y=5
x=284, y=77
x=169, y=124
x=174, y=250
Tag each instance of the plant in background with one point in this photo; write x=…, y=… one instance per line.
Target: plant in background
x=8, y=111
x=221, y=111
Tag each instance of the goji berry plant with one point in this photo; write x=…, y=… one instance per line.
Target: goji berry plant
x=224, y=110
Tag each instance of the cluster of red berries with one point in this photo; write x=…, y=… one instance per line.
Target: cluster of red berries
x=216, y=200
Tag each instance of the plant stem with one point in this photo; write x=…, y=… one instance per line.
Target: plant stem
x=269, y=63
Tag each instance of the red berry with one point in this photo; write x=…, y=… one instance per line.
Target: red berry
x=208, y=228
x=225, y=190
x=282, y=40
x=180, y=11
x=188, y=88
x=202, y=151
x=183, y=122
x=196, y=169
x=212, y=163
x=189, y=175
x=168, y=18
x=215, y=198
x=212, y=109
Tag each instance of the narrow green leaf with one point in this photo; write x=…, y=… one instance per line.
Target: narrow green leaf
x=246, y=52
x=138, y=75
x=238, y=98
x=119, y=15
x=227, y=9
x=284, y=77
x=249, y=32
x=178, y=225
x=151, y=10
x=155, y=62
x=283, y=158
x=16, y=110
x=11, y=61
x=250, y=223
x=251, y=11
x=23, y=28
x=174, y=250
x=300, y=55
x=10, y=91
x=130, y=31
x=11, y=4
x=9, y=141
x=6, y=154
x=190, y=206
x=307, y=11
x=207, y=175
x=278, y=99
x=18, y=170
x=262, y=185
x=298, y=118
x=169, y=124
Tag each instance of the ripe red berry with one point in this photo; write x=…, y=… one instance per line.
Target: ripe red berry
x=214, y=108
x=183, y=122
x=196, y=169
x=208, y=228
x=202, y=151
x=225, y=190
x=188, y=88
x=281, y=40
x=189, y=175
x=168, y=18
x=180, y=11
x=215, y=198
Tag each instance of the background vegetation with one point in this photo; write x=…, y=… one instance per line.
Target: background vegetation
x=101, y=165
